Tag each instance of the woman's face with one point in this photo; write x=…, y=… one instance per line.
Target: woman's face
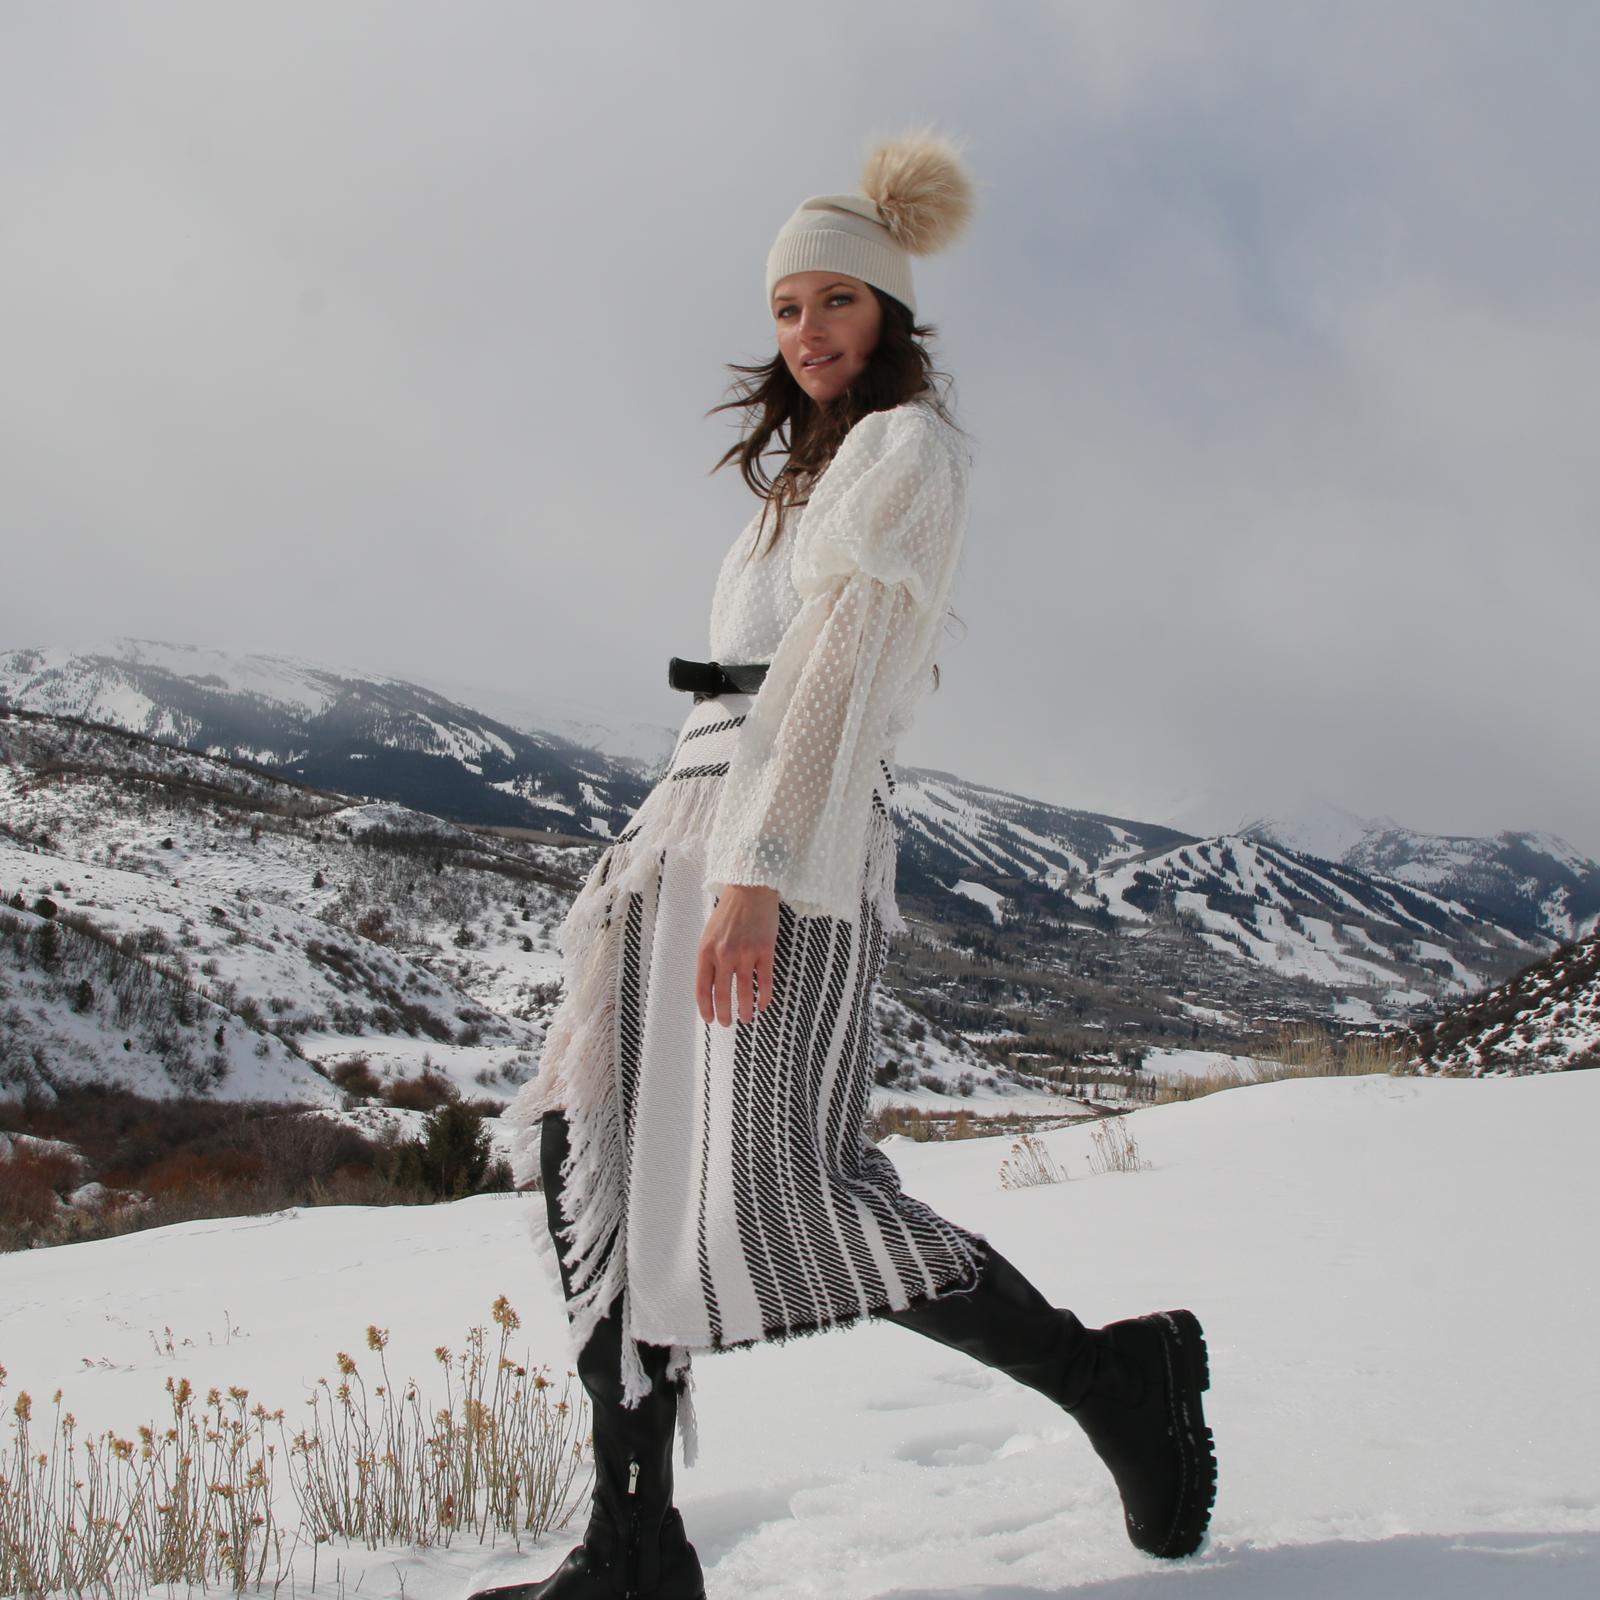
x=828, y=326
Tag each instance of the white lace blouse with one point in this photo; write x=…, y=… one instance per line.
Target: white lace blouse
x=847, y=607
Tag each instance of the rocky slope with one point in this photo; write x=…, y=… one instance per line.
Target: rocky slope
x=1545, y=1019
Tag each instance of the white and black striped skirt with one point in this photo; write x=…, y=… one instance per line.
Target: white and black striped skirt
x=721, y=1181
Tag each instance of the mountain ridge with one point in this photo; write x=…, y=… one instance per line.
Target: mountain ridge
x=365, y=734
x=392, y=740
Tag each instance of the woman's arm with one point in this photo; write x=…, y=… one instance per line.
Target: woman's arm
x=874, y=560
x=870, y=628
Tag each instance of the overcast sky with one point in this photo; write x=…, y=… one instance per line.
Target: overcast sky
x=382, y=334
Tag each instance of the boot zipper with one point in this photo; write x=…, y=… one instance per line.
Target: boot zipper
x=634, y=1531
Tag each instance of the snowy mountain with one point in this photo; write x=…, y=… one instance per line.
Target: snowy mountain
x=1545, y=1019
x=1524, y=880
x=1527, y=884
x=951, y=828
x=1520, y=879
x=1225, y=928
x=354, y=733
x=1308, y=919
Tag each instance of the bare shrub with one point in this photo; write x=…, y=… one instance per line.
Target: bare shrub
x=374, y=925
x=31, y=1186
x=306, y=1151
x=1030, y=1164
x=922, y=1126
x=356, y=1077
x=427, y=1091
x=181, y=1160
x=1115, y=1149
x=1307, y=1050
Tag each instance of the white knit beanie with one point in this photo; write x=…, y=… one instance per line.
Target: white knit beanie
x=916, y=199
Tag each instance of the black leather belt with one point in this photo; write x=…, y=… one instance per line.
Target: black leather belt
x=705, y=680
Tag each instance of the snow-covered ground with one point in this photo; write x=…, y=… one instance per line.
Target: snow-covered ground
x=1174, y=1066
x=1400, y=1310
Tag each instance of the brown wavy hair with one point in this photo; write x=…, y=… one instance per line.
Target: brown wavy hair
x=782, y=419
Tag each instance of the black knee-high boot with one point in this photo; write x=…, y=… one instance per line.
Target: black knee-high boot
x=1134, y=1387
x=635, y=1543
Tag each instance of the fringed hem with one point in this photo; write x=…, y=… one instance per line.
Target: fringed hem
x=578, y=1072
x=680, y=1372
x=960, y=1283
x=676, y=816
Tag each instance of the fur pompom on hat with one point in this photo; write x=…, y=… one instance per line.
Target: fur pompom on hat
x=916, y=200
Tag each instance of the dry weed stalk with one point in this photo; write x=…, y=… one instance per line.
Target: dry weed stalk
x=194, y=1503
x=190, y=1504
x=503, y=1455
x=1029, y=1163
x=1115, y=1149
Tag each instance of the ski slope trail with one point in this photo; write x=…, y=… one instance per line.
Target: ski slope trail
x=1395, y=1276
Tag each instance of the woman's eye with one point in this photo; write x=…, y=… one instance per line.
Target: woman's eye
x=842, y=300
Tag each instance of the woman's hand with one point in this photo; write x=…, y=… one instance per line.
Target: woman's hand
x=736, y=954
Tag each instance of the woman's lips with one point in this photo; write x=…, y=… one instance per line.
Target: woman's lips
x=811, y=363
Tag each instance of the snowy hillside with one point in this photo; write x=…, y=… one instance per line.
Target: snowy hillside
x=1359, y=1251
x=357, y=733
x=1523, y=880
x=180, y=924
x=950, y=827
x=1250, y=902
x=1546, y=1019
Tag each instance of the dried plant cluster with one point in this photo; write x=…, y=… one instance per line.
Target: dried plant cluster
x=1030, y=1163
x=1115, y=1149
x=202, y=1500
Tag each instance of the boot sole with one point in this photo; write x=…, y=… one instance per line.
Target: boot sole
x=1188, y=1377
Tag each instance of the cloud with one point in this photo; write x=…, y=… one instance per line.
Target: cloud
x=383, y=334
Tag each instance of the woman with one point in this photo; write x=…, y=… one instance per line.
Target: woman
x=701, y=1102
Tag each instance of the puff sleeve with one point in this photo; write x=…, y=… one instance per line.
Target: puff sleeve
x=873, y=561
